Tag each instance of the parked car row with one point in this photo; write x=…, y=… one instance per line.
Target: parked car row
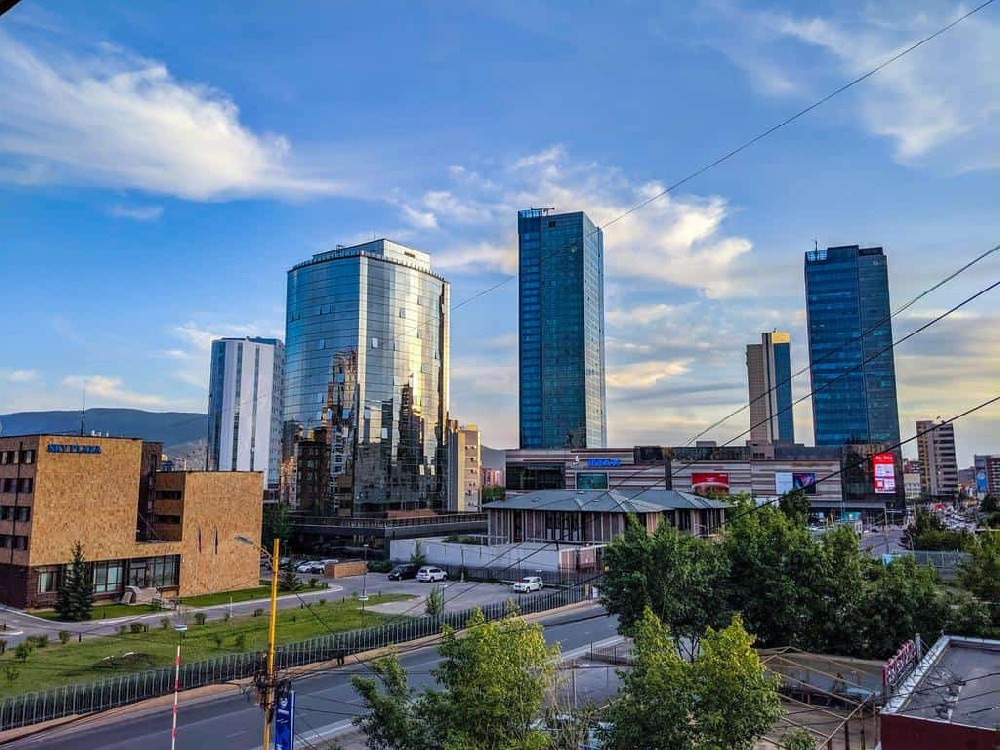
x=314, y=566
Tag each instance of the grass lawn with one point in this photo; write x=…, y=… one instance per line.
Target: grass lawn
x=112, y=610
x=79, y=663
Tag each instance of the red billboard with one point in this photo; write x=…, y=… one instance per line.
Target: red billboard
x=710, y=483
x=884, y=472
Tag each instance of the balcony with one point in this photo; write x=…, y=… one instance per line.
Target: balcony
x=391, y=528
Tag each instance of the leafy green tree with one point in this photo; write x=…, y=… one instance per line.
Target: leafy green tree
x=494, y=677
x=737, y=701
x=798, y=739
x=492, y=492
x=682, y=578
x=75, y=596
x=722, y=699
x=928, y=532
x=276, y=523
x=902, y=600
x=837, y=594
x=419, y=555
x=980, y=574
x=795, y=505
x=287, y=580
x=775, y=566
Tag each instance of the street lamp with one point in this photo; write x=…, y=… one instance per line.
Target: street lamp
x=267, y=703
x=364, y=586
x=177, y=683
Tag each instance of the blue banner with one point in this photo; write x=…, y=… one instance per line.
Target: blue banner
x=284, y=722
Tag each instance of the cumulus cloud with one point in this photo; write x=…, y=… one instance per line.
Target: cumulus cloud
x=195, y=344
x=675, y=240
x=942, y=100
x=111, y=118
x=108, y=391
x=645, y=374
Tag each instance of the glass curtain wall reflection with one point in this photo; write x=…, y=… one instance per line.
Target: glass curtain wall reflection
x=366, y=382
x=561, y=322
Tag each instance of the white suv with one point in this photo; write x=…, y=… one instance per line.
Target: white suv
x=429, y=573
x=528, y=583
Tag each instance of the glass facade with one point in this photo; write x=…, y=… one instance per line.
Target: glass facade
x=366, y=381
x=561, y=322
x=853, y=376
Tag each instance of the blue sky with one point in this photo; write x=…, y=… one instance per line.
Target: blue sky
x=162, y=164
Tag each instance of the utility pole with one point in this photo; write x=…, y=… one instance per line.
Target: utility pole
x=267, y=694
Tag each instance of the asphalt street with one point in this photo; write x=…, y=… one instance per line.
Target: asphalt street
x=325, y=702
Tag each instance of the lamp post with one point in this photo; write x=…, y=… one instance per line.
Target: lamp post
x=177, y=683
x=268, y=693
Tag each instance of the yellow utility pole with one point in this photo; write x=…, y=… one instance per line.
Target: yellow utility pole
x=268, y=702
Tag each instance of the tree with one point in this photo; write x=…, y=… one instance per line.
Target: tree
x=837, y=594
x=980, y=574
x=277, y=523
x=434, y=604
x=737, y=701
x=798, y=739
x=902, y=600
x=287, y=580
x=682, y=578
x=494, y=677
x=722, y=699
x=76, y=589
x=795, y=505
x=493, y=492
x=928, y=532
x=419, y=556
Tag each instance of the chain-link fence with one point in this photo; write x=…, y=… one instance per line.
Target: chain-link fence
x=34, y=708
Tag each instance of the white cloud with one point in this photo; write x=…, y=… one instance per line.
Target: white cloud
x=19, y=376
x=108, y=391
x=942, y=100
x=113, y=119
x=192, y=355
x=419, y=219
x=675, y=240
x=138, y=213
x=643, y=375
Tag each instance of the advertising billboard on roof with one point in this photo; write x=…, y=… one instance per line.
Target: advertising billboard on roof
x=884, y=472
x=710, y=483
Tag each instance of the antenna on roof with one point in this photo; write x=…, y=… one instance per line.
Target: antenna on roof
x=815, y=244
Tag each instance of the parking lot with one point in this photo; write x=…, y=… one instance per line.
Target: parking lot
x=458, y=595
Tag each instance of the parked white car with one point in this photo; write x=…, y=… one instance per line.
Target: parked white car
x=528, y=583
x=429, y=574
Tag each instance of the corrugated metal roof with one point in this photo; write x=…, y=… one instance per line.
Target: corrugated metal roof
x=607, y=501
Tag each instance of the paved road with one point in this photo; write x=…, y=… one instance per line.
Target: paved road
x=880, y=542
x=325, y=702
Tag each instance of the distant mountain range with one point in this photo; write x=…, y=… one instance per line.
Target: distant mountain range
x=175, y=429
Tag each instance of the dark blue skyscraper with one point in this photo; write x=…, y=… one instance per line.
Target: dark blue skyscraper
x=851, y=362
x=562, y=392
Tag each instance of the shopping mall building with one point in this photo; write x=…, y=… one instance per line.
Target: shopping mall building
x=139, y=528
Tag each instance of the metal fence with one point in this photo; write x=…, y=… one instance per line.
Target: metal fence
x=946, y=564
x=508, y=574
x=33, y=708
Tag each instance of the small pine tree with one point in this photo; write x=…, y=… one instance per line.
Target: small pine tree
x=76, y=590
x=434, y=604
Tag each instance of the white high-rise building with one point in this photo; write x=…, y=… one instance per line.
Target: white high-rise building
x=465, y=482
x=244, y=407
x=938, y=461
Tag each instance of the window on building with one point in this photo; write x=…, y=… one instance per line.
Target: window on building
x=165, y=571
x=27, y=484
x=28, y=456
x=8, y=485
x=6, y=511
x=21, y=542
x=22, y=514
x=48, y=579
x=107, y=576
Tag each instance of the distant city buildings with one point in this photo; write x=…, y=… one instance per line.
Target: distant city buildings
x=851, y=364
x=366, y=382
x=938, y=462
x=769, y=377
x=464, y=468
x=244, y=407
x=562, y=399
x=987, y=474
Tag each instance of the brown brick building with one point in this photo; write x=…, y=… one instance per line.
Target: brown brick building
x=138, y=527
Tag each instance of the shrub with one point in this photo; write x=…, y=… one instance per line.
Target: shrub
x=258, y=612
x=11, y=672
x=200, y=617
x=138, y=627
x=380, y=566
x=321, y=603
x=293, y=617
x=240, y=641
x=3, y=647
x=22, y=651
x=164, y=622
x=38, y=641
x=122, y=630
x=217, y=640
x=227, y=617
x=313, y=582
x=64, y=636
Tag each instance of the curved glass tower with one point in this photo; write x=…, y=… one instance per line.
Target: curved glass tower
x=366, y=381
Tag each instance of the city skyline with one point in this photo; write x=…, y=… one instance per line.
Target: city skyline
x=183, y=245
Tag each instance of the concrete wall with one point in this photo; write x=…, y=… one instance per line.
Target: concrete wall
x=530, y=555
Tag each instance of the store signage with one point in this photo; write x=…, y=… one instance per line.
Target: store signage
x=604, y=462
x=284, y=722
x=707, y=483
x=885, y=473
x=900, y=665
x=71, y=448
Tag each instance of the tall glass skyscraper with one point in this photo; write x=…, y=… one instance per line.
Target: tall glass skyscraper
x=366, y=381
x=244, y=407
x=851, y=361
x=561, y=354
x=769, y=376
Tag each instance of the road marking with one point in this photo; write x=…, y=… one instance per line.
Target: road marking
x=235, y=734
